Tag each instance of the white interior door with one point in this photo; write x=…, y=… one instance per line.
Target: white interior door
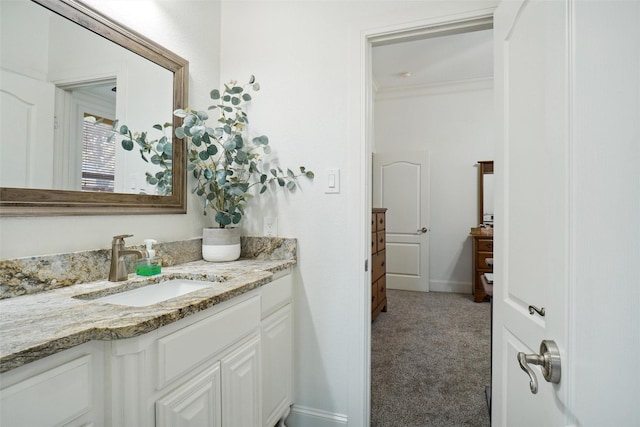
x=401, y=184
x=26, y=122
x=567, y=225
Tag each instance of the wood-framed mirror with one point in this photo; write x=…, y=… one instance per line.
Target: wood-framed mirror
x=485, y=192
x=40, y=194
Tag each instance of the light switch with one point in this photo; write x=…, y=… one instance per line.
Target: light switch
x=332, y=181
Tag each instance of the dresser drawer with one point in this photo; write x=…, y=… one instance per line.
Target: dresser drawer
x=481, y=260
x=374, y=295
x=374, y=243
x=378, y=262
x=382, y=288
x=380, y=240
x=380, y=222
x=485, y=245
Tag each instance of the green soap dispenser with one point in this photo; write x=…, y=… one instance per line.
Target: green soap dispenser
x=149, y=266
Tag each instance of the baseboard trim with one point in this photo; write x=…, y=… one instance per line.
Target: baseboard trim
x=449, y=286
x=302, y=416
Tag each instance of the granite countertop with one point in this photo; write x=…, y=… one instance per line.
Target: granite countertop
x=41, y=324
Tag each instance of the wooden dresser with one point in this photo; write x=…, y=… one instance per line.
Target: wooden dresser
x=378, y=263
x=482, y=250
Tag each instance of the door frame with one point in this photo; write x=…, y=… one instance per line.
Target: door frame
x=359, y=379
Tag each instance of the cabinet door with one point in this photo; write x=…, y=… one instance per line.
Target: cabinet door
x=196, y=403
x=277, y=359
x=58, y=390
x=241, y=385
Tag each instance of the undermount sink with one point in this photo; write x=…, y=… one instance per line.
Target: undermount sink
x=153, y=294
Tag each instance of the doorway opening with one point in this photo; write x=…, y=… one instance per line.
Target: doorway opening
x=432, y=91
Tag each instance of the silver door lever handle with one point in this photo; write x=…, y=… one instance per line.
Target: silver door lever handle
x=422, y=230
x=548, y=360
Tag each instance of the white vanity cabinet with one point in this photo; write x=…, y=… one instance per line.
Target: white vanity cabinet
x=65, y=389
x=228, y=366
x=277, y=350
x=201, y=370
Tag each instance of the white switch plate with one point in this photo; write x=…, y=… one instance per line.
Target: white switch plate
x=270, y=226
x=332, y=181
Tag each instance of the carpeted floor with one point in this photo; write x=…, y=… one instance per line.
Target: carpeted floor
x=430, y=361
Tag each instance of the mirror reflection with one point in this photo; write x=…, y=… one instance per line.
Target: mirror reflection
x=485, y=193
x=487, y=202
x=55, y=78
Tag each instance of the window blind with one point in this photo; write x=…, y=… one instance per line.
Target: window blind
x=98, y=155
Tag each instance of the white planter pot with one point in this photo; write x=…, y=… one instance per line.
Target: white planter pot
x=220, y=244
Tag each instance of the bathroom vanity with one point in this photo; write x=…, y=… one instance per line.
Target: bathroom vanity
x=216, y=356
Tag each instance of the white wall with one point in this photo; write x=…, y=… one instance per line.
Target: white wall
x=454, y=123
x=195, y=37
x=308, y=57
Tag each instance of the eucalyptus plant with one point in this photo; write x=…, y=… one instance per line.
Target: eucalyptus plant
x=156, y=151
x=225, y=163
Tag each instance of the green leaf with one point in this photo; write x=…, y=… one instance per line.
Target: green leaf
x=208, y=174
x=222, y=218
x=236, y=89
x=290, y=173
x=159, y=127
x=241, y=156
x=238, y=140
x=190, y=120
x=202, y=115
x=281, y=182
x=229, y=145
x=302, y=169
x=168, y=149
x=155, y=159
x=261, y=140
x=203, y=155
x=246, y=97
x=263, y=178
x=179, y=132
x=180, y=113
x=124, y=130
x=127, y=144
x=310, y=174
x=212, y=150
x=235, y=100
x=263, y=189
x=215, y=94
x=221, y=176
x=226, y=98
x=291, y=185
x=273, y=172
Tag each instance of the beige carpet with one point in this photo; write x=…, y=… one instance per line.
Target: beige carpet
x=430, y=361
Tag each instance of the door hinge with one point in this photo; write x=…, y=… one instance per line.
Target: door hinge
x=366, y=265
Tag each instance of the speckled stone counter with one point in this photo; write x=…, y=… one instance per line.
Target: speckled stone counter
x=41, y=324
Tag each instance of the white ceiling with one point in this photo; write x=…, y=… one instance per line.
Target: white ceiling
x=434, y=60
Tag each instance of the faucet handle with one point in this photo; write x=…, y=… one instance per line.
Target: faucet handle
x=120, y=238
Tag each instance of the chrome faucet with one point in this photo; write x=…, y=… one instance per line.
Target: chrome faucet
x=118, y=270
